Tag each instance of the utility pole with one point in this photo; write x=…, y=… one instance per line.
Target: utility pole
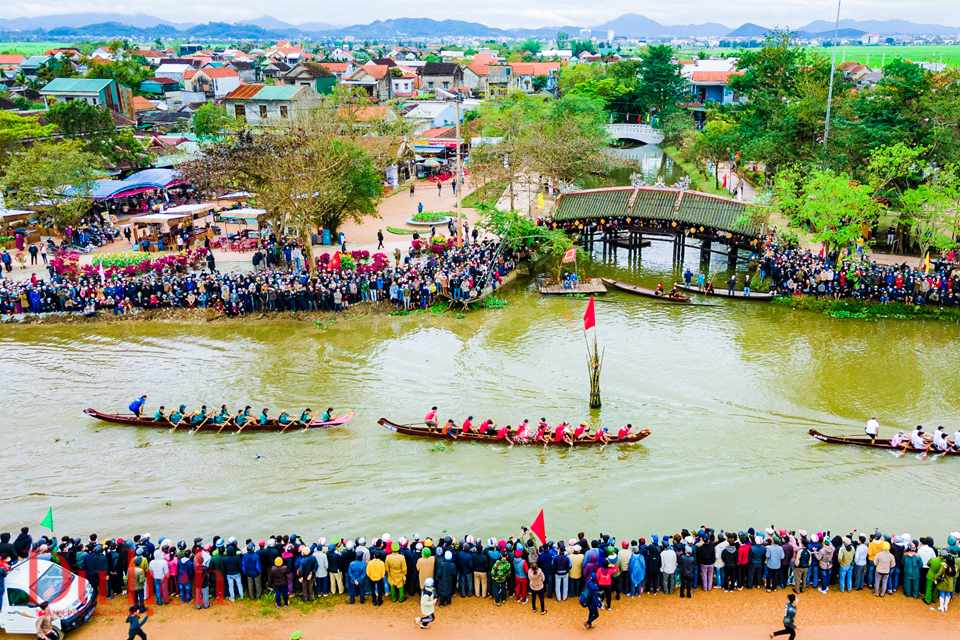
x=459, y=185
x=833, y=69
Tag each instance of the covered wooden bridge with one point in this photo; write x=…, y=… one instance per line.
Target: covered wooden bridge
x=623, y=216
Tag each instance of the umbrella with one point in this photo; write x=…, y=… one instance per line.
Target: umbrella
x=432, y=163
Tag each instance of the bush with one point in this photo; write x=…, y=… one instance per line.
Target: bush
x=866, y=309
x=432, y=216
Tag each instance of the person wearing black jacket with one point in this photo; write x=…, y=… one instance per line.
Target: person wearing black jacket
x=561, y=574
x=688, y=570
x=23, y=542
x=412, y=585
x=653, y=568
x=7, y=551
x=706, y=558
x=307, y=574
x=729, y=558
x=334, y=570
x=464, y=563
x=481, y=570
x=231, y=569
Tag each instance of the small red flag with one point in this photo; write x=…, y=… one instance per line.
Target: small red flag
x=570, y=255
x=537, y=528
x=334, y=262
x=589, y=320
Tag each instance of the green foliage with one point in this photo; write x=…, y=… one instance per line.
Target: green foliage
x=855, y=309
x=432, y=216
x=46, y=172
x=488, y=194
x=401, y=232
x=493, y=302
x=80, y=118
x=715, y=144
x=676, y=126
x=15, y=128
x=210, y=120
x=662, y=82
x=128, y=71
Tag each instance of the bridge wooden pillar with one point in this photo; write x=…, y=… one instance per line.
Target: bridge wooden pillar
x=732, y=258
x=704, y=252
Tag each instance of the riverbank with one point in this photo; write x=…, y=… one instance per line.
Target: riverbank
x=716, y=615
x=700, y=179
x=861, y=309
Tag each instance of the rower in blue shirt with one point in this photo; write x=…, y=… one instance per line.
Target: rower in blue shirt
x=264, y=418
x=306, y=417
x=327, y=415
x=223, y=416
x=284, y=418
x=137, y=405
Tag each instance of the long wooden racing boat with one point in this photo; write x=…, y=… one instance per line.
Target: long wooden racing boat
x=424, y=432
x=643, y=291
x=134, y=421
x=864, y=441
x=723, y=293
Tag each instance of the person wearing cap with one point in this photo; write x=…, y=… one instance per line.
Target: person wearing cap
x=883, y=563
x=591, y=600
x=307, y=574
x=872, y=429
x=396, y=572
x=376, y=571
x=668, y=567
x=278, y=581
x=251, y=569
x=445, y=576
x=356, y=578
x=825, y=564
x=688, y=571
x=335, y=568
x=428, y=601
x=860, y=563
x=845, y=556
x=481, y=570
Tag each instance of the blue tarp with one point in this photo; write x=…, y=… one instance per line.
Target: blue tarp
x=146, y=179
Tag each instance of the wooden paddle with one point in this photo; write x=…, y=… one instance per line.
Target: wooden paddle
x=201, y=424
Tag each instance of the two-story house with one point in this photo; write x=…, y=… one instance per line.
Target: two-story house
x=101, y=92
x=215, y=82
x=441, y=75
x=375, y=79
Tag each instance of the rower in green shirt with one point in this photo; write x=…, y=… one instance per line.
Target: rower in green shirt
x=177, y=416
x=160, y=416
x=223, y=416
x=264, y=418
x=327, y=415
x=306, y=417
x=199, y=417
x=284, y=418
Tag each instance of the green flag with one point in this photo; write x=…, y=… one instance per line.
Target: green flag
x=48, y=521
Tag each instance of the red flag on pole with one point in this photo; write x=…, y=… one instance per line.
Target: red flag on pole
x=334, y=262
x=570, y=255
x=537, y=528
x=589, y=320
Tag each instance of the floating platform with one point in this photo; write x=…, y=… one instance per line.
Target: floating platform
x=593, y=286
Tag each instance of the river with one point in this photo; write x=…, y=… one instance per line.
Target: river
x=728, y=390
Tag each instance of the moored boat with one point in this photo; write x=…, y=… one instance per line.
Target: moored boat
x=209, y=426
x=643, y=291
x=723, y=293
x=864, y=441
x=424, y=432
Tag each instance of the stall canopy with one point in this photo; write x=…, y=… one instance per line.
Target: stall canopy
x=247, y=215
x=134, y=183
x=187, y=209
x=160, y=218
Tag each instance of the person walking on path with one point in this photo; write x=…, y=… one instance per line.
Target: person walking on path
x=789, y=619
x=439, y=189
x=136, y=624
x=428, y=601
x=379, y=238
x=413, y=188
x=590, y=598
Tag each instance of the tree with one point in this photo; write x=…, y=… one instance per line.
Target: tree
x=932, y=210
x=832, y=206
x=563, y=39
x=662, y=82
x=14, y=129
x=676, y=125
x=123, y=150
x=714, y=144
x=128, y=71
x=211, y=119
x=80, y=118
x=58, y=174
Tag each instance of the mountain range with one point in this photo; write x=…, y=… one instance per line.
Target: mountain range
x=266, y=27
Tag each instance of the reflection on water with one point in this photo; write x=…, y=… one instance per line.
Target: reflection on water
x=647, y=159
x=728, y=390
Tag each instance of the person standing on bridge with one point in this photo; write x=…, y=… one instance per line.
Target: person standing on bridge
x=732, y=285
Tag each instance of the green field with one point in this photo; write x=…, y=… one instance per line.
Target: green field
x=873, y=56
x=30, y=48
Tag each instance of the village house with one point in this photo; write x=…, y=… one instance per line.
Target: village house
x=172, y=71
x=161, y=87
x=105, y=93
x=441, y=75
x=30, y=67
x=311, y=74
x=375, y=79
x=274, y=70
x=259, y=104
x=524, y=76
x=247, y=70
x=214, y=82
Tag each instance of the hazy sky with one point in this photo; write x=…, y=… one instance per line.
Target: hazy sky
x=509, y=13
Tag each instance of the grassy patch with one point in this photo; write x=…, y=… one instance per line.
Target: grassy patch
x=862, y=310
x=397, y=231
x=433, y=216
x=700, y=179
x=488, y=193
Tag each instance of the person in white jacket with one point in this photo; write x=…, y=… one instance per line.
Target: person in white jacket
x=668, y=568
x=159, y=569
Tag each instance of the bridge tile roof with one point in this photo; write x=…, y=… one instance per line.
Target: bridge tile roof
x=695, y=208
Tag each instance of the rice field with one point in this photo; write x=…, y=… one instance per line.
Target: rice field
x=30, y=48
x=873, y=56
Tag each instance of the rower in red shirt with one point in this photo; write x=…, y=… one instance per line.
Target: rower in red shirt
x=624, y=431
x=431, y=419
x=522, y=433
x=560, y=433
x=467, y=425
x=486, y=426
x=504, y=434
x=601, y=434
x=579, y=431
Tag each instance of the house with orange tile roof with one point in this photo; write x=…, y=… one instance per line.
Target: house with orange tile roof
x=215, y=82
x=375, y=79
